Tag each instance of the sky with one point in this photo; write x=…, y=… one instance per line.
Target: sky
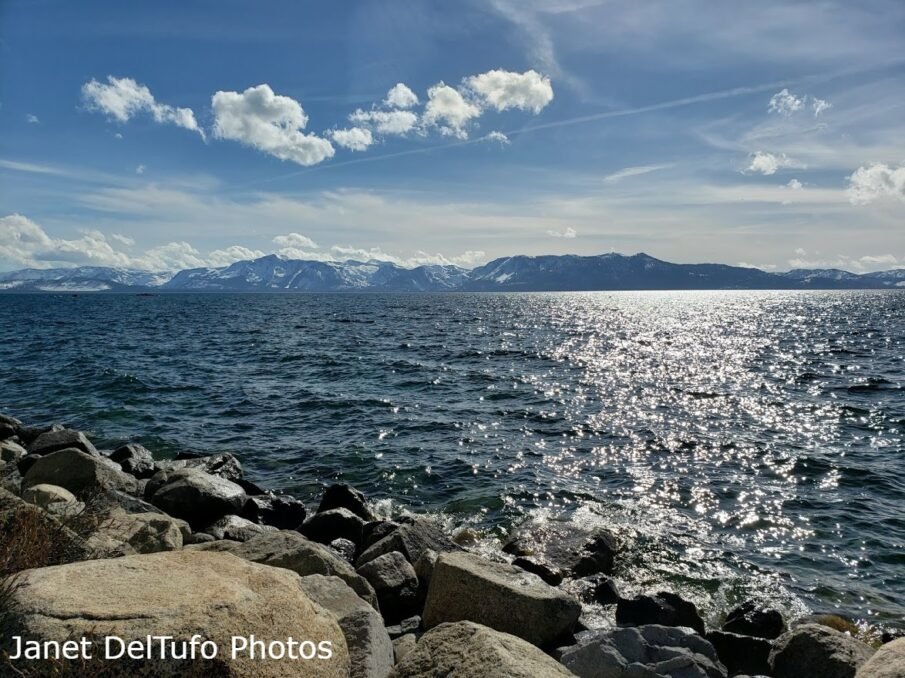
x=166, y=135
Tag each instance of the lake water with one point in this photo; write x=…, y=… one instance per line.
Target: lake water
x=741, y=443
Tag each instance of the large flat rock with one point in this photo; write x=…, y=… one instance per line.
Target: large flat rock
x=181, y=593
x=465, y=587
x=79, y=472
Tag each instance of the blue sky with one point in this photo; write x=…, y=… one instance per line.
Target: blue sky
x=174, y=134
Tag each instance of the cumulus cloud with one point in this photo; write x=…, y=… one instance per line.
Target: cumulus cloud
x=420, y=258
x=25, y=243
x=566, y=233
x=294, y=240
x=123, y=98
x=876, y=182
x=862, y=264
x=386, y=122
x=270, y=123
x=448, y=111
x=32, y=119
x=355, y=138
x=400, y=96
x=770, y=163
x=786, y=103
x=140, y=169
x=502, y=90
x=794, y=185
x=498, y=137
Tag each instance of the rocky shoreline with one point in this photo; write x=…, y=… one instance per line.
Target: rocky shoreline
x=96, y=543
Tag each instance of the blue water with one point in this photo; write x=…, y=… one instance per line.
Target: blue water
x=740, y=443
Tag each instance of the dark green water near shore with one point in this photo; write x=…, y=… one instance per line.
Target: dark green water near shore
x=742, y=443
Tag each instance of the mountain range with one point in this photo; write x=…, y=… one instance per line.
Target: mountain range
x=273, y=273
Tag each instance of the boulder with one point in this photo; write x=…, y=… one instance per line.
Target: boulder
x=345, y=497
x=10, y=421
x=741, y=654
x=344, y=548
x=124, y=534
x=506, y=598
x=11, y=451
x=44, y=495
x=748, y=619
x=888, y=662
x=603, y=590
x=280, y=511
x=236, y=528
x=179, y=594
x=405, y=627
x=370, y=648
x=28, y=434
x=26, y=462
x=376, y=530
x=79, y=472
x=32, y=537
x=135, y=459
x=665, y=609
x=567, y=549
x=294, y=552
x=403, y=645
x=52, y=441
x=396, y=584
x=198, y=538
x=548, y=574
x=412, y=538
x=224, y=465
x=195, y=496
x=7, y=431
x=643, y=652
x=338, y=523
x=815, y=650
x=468, y=650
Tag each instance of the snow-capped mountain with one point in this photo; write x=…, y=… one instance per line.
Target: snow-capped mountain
x=519, y=273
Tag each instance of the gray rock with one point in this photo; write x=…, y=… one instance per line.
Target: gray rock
x=665, y=609
x=369, y=645
x=198, y=538
x=814, y=650
x=125, y=534
x=135, y=459
x=344, y=548
x=10, y=421
x=741, y=654
x=178, y=594
x=346, y=497
x=196, y=496
x=468, y=650
x=294, y=552
x=11, y=451
x=44, y=495
x=888, y=662
x=376, y=530
x=280, y=511
x=749, y=619
x=28, y=434
x=396, y=584
x=643, y=652
x=412, y=538
x=52, y=441
x=338, y=523
x=403, y=645
x=7, y=431
x=531, y=564
x=567, y=549
x=236, y=528
x=503, y=597
x=224, y=465
x=78, y=472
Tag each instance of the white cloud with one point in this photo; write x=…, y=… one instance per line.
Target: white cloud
x=400, y=96
x=294, y=240
x=862, y=264
x=497, y=136
x=820, y=105
x=505, y=89
x=32, y=119
x=355, y=139
x=123, y=98
x=566, y=233
x=448, y=110
x=635, y=172
x=785, y=103
x=140, y=169
x=386, y=122
x=118, y=135
x=770, y=163
x=878, y=181
x=794, y=185
x=230, y=255
x=122, y=239
x=270, y=123
x=420, y=258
